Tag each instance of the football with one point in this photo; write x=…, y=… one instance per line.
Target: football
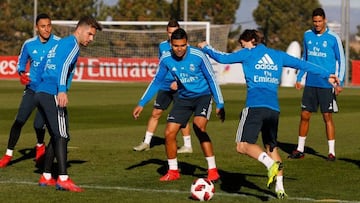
x=202, y=189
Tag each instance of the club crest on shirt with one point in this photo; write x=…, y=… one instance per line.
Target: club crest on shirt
x=192, y=67
x=324, y=44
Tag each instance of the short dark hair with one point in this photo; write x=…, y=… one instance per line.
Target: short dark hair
x=88, y=20
x=179, y=34
x=319, y=12
x=42, y=16
x=252, y=34
x=173, y=23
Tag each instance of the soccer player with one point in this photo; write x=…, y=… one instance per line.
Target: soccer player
x=322, y=47
x=196, y=86
x=262, y=68
x=33, y=50
x=164, y=97
x=51, y=100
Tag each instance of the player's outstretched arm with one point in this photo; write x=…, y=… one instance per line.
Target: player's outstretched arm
x=137, y=111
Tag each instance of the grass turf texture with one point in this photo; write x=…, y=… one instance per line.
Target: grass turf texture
x=102, y=161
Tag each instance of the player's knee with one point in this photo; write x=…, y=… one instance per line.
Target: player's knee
x=327, y=117
x=201, y=134
x=170, y=135
x=241, y=148
x=305, y=116
x=156, y=114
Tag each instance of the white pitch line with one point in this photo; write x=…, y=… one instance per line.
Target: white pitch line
x=181, y=192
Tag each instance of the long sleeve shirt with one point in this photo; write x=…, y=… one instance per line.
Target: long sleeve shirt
x=325, y=50
x=60, y=66
x=262, y=68
x=35, y=51
x=193, y=73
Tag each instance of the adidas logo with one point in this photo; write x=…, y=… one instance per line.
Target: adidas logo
x=35, y=51
x=266, y=63
x=203, y=112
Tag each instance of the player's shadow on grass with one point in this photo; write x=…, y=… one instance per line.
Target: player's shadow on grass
x=289, y=147
x=356, y=162
x=55, y=169
x=230, y=182
x=27, y=153
x=156, y=141
x=234, y=182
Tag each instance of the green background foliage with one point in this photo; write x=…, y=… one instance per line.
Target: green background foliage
x=16, y=16
x=284, y=21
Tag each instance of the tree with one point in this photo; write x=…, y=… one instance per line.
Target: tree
x=284, y=21
x=216, y=12
x=141, y=10
x=17, y=18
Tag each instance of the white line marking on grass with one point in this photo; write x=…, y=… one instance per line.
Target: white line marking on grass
x=182, y=192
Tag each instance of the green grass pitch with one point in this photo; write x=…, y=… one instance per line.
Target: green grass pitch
x=102, y=161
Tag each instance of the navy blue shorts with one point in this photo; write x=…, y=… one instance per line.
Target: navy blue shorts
x=314, y=97
x=183, y=109
x=164, y=99
x=255, y=120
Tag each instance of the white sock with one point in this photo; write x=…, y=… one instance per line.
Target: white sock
x=148, y=136
x=63, y=177
x=173, y=164
x=211, y=162
x=187, y=141
x=331, y=147
x=9, y=152
x=266, y=160
x=279, y=184
x=301, y=144
x=47, y=176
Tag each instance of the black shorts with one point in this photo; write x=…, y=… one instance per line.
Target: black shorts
x=255, y=120
x=184, y=108
x=314, y=97
x=164, y=99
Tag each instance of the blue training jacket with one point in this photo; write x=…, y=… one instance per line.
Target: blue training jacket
x=262, y=68
x=60, y=66
x=325, y=50
x=164, y=47
x=35, y=51
x=194, y=75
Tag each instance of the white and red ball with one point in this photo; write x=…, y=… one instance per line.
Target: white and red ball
x=202, y=189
